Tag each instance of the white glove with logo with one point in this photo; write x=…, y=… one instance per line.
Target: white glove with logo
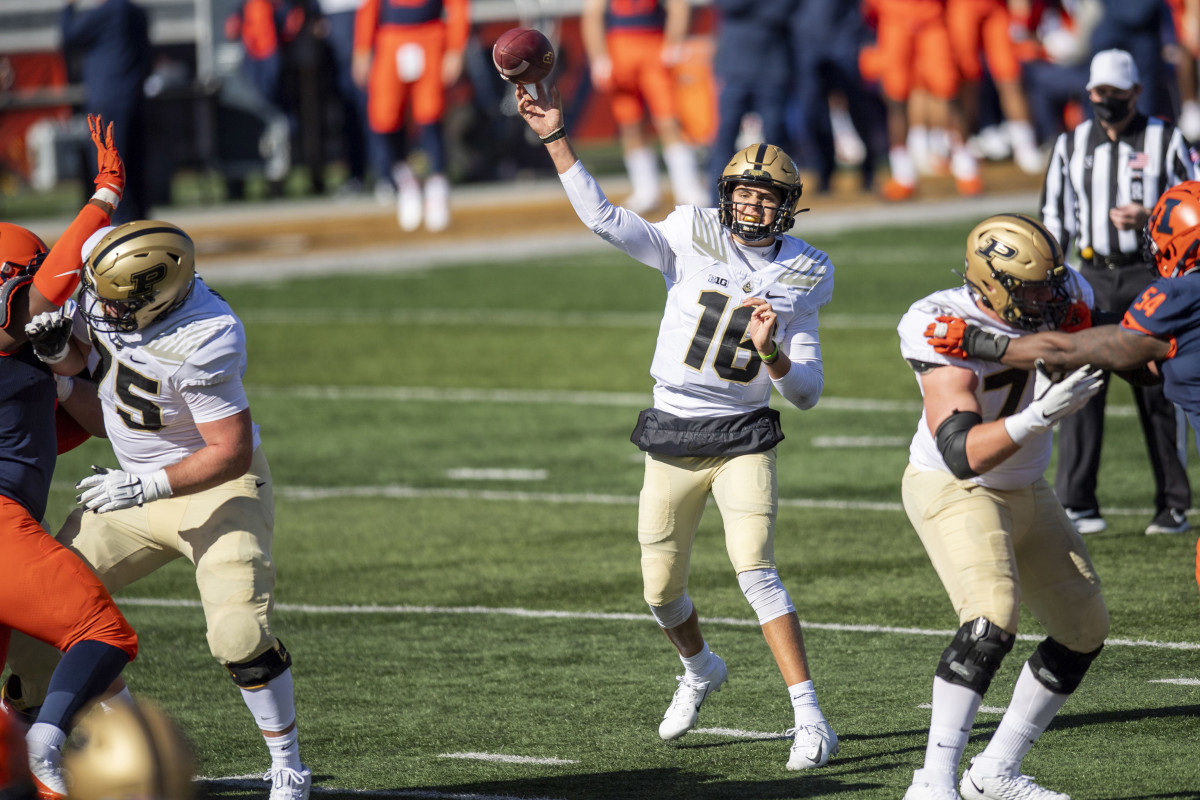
x=50, y=333
x=112, y=489
x=1052, y=401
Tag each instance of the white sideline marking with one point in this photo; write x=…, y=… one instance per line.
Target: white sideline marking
x=495, y=474
x=507, y=759
x=256, y=781
x=844, y=442
x=306, y=608
x=1178, y=681
x=739, y=734
x=982, y=709
x=613, y=399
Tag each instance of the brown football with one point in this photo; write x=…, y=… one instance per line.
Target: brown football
x=523, y=55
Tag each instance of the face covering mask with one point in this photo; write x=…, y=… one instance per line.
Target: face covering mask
x=1112, y=109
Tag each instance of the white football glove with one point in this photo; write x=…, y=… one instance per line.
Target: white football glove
x=112, y=489
x=50, y=335
x=1052, y=401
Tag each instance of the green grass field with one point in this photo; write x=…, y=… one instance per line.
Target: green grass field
x=458, y=565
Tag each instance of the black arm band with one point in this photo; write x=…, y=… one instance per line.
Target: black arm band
x=983, y=345
x=554, y=135
x=952, y=442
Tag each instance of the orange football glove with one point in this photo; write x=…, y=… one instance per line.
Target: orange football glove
x=110, y=170
x=946, y=336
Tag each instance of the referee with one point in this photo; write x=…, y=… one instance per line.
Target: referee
x=1102, y=181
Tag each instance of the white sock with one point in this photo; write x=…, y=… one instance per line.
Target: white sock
x=274, y=709
x=954, y=710
x=44, y=741
x=1029, y=713
x=1020, y=133
x=642, y=167
x=697, y=666
x=903, y=169
x=962, y=164
x=804, y=703
x=681, y=170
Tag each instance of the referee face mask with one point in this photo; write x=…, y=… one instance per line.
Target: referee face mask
x=1112, y=108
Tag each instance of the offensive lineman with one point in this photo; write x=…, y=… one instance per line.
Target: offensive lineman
x=975, y=493
x=168, y=355
x=741, y=296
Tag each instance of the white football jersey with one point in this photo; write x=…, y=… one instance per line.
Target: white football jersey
x=1002, y=390
x=703, y=362
x=155, y=384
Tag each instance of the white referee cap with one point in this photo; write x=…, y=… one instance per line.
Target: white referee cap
x=1113, y=68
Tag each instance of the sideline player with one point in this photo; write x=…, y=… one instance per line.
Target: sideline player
x=45, y=591
x=741, y=317
x=1160, y=326
x=995, y=533
x=168, y=355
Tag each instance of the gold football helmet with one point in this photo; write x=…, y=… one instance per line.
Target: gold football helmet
x=127, y=752
x=137, y=273
x=761, y=165
x=1015, y=267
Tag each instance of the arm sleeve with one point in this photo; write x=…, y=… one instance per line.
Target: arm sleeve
x=58, y=276
x=619, y=227
x=804, y=382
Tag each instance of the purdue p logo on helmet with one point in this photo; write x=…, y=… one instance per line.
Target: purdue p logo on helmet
x=1015, y=267
x=136, y=273
x=760, y=165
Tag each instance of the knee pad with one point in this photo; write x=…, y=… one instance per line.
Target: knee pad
x=673, y=614
x=258, y=671
x=1058, y=668
x=973, y=657
x=765, y=593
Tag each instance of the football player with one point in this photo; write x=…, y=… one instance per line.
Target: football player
x=45, y=591
x=1160, y=326
x=168, y=355
x=741, y=317
x=995, y=533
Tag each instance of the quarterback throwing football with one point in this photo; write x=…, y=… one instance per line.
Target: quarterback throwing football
x=741, y=317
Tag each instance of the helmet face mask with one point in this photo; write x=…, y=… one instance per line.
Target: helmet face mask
x=1172, y=231
x=21, y=251
x=1015, y=267
x=759, y=165
x=136, y=274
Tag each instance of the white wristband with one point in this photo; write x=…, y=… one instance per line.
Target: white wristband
x=1024, y=426
x=106, y=195
x=156, y=485
x=64, y=385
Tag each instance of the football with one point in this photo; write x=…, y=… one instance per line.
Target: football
x=523, y=55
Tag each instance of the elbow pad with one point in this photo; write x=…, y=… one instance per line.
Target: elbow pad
x=952, y=442
x=802, y=385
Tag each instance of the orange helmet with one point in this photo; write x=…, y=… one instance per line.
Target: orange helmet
x=20, y=251
x=1173, y=230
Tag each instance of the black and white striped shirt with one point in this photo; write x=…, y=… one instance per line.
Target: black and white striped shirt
x=1089, y=174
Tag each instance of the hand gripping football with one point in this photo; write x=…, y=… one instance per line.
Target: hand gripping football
x=523, y=55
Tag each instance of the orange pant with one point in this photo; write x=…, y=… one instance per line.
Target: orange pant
x=914, y=48
x=406, y=68
x=640, y=80
x=46, y=591
x=982, y=25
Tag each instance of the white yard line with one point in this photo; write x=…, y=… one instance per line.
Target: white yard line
x=308, y=608
x=506, y=758
x=256, y=782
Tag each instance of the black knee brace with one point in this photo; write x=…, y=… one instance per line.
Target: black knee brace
x=260, y=670
x=1058, y=668
x=973, y=657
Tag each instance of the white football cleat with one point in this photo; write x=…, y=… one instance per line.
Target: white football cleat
x=814, y=745
x=437, y=203
x=684, y=710
x=1003, y=787
x=924, y=789
x=288, y=784
x=47, y=779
